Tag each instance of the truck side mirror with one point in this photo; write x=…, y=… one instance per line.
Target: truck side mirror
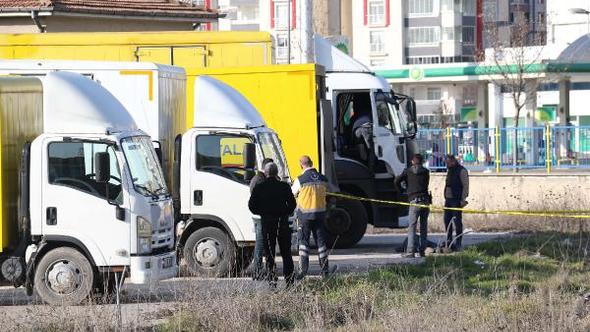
x=249, y=156
x=102, y=167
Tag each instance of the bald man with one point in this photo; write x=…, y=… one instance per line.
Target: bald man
x=310, y=189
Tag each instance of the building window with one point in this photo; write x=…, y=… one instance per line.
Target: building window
x=449, y=33
x=424, y=36
x=469, y=7
x=282, y=49
x=248, y=13
x=376, y=12
x=422, y=7
x=422, y=60
x=281, y=15
x=376, y=41
x=433, y=94
x=468, y=35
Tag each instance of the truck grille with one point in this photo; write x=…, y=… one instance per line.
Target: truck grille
x=162, y=238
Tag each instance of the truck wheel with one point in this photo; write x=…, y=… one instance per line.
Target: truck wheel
x=64, y=277
x=346, y=224
x=209, y=252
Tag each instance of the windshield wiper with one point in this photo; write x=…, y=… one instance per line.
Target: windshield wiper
x=146, y=190
x=161, y=190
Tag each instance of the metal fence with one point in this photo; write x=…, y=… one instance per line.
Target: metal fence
x=498, y=149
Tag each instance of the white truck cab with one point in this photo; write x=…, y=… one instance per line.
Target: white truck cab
x=92, y=202
x=218, y=156
x=352, y=89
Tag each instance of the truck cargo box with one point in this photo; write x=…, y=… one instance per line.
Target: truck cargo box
x=285, y=95
x=21, y=120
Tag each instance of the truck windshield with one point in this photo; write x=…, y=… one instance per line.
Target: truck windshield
x=147, y=175
x=271, y=148
x=397, y=107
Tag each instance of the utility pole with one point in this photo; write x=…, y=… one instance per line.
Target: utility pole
x=289, y=14
x=307, y=45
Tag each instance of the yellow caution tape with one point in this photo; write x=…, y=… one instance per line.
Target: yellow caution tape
x=554, y=214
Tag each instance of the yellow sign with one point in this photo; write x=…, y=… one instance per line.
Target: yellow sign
x=231, y=151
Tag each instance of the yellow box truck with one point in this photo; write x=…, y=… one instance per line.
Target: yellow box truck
x=313, y=112
x=183, y=48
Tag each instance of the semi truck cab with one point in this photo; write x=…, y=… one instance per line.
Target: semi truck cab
x=366, y=166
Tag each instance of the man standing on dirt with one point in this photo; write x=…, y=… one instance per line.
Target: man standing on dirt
x=310, y=188
x=273, y=201
x=456, y=192
x=417, y=179
x=255, y=268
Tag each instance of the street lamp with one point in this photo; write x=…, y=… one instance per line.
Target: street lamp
x=583, y=12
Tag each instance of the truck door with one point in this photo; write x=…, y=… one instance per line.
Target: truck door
x=184, y=56
x=388, y=136
x=190, y=56
x=76, y=207
x=217, y=181
x=161, y=55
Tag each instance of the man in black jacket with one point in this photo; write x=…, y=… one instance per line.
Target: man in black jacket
x=274, y=202
x=255, y=268
x=417, y=179
x=456, y=192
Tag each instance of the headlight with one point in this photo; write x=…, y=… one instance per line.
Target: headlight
x=144, y=227
x=144, y=235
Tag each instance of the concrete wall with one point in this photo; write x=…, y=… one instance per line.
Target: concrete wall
x=526, y=192
x=522, y=191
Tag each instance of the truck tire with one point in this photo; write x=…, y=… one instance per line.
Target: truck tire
x=64, y=276
x=346, y=213
x=209, y=252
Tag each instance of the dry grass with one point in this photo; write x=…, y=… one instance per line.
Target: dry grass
x=531, y=283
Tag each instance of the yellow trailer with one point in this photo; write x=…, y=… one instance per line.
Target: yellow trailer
x=287, y=97
x=187, y=49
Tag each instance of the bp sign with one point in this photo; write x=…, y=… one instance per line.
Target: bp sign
x=417, y=73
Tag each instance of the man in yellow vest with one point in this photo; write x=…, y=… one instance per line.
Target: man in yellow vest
x=310, y=189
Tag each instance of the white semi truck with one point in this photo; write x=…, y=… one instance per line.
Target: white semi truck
x=207, y=163
x=83, y=194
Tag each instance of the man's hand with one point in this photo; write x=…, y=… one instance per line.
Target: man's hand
x=463, y=204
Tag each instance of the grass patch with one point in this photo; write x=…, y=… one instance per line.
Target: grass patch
x=533, y=282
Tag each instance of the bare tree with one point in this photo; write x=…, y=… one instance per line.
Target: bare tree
x=512, y=62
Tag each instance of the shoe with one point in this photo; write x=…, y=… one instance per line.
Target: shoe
x=429, y=251
x=299, y=276
x=409, y=255
x=331, y=270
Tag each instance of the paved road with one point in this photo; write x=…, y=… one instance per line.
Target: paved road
x=142, y=305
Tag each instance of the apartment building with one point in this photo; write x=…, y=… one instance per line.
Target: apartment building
x=388, y=32
x=499, y=16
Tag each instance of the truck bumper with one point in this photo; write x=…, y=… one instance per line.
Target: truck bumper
x=151, y=269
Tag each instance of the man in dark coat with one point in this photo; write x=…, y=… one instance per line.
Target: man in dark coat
x=274, y=202
x=456, y=192
x=255, y=268
x=417, y=179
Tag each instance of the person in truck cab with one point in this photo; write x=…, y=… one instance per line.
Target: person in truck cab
x=273, y=201
x=362, y=127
